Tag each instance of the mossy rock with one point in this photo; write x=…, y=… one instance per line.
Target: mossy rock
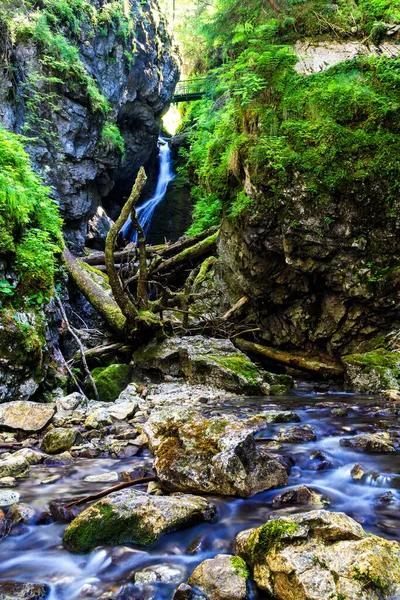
x=373, y=372
x=111, y=381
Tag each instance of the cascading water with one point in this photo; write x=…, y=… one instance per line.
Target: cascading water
x=145, y=212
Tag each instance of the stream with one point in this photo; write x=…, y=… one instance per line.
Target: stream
x=35, y=553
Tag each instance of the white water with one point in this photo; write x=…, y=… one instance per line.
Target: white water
x=145, y=212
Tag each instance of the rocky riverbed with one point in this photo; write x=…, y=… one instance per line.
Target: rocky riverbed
x=326, y=452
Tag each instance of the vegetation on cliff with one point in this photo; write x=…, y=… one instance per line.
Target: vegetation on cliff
x=269, y=126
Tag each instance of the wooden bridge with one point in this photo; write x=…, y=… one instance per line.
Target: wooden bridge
x=191, y=89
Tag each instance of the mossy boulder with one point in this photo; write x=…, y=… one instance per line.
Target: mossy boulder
x=320, y=555
x=111, y=381
x=58, y=440
x=131, y=516
x=372, y=372
x=223, y=577
x=215, y=456
x=210, y=361
x=14, y=466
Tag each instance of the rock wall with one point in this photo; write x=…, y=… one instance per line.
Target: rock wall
x=136, y=73
x=321, y=276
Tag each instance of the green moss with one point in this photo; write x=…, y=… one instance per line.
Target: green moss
x=242, y=367
x=97, y=275
x=269, y=536
x=99, y=524
x=280, y=390
x=112, y=138
x=368, y=580
x=240, y=566
x=377, y=359
x=111, y=381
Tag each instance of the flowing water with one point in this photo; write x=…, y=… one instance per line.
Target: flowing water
x=145, y=212
x=35, y=553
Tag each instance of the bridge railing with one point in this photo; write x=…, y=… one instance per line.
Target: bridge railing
x=192, y=89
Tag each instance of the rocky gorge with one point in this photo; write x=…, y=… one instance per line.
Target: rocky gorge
x=208, y=407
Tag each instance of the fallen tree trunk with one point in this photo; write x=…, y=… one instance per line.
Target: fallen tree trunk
x=98, y=298
x=294, y=361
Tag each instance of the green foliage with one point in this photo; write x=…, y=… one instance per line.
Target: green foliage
x=30, y=228
x=369, y=580
x=337, y=130
x=269, y=536
x=112, y=138
x=240, y=566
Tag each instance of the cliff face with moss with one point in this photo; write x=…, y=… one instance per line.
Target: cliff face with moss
x=87, y=82
x=296, y=152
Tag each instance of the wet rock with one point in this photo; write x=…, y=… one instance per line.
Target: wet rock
x=370, y=442
x=25, y=415
x=98, y=419
x=357, y=472
x=111, y=476
x=274, y=416
x=221, y=578
x=7, y=482
x=131, y=516
x=297, y=434
x=392, y=395
x=59, y=440
x=320, y=555
x=207, y=361
x=21, y=513
x=122, y=410
x=183, y=592
x=216, y=455
x=33, y=457
x=385, y=498
x=14, y=466
x=14, y=590
x=373, y=372
x=8, y=498
x=160, y=573
x=51, y=479
x=60, y=460
x=300, y=495
x=154, y=488
x=60, y=511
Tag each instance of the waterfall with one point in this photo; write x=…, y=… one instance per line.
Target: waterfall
x=145, y=212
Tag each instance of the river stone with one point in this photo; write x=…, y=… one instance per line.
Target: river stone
x=25, y=415
x=33, y=457
x=297, y=434
x=16, y=590
x=98, y=418
x=122, y=410
x=214, y=456
x=71, y=402
x=223, y=577
x=321, y=555
x=111, y=476
x=372, y=372
x=168, y=574
x=132, y=516
x=58, y=440
x=14, y=466
x=370, y=442
x=8, y=498
x=301, y=495
x=209, y=361
x=21, y=513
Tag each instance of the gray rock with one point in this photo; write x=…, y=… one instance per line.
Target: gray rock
x=25, y=415
x=58, y=440
x=71, y=402
x=110, y=476
x=221, y=578
x=216, y=455
x=208, y=361
x=297, y=434
x=370, y=442
x=8, y=498
x=98, y=418
x=122, y=410
x=301, y=495
x=16, y=590
x=21, y=513
x=320, y=555
x=131, y=516
x=160, y=573
x=14, y=466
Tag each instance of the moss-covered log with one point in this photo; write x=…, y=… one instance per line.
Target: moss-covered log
x=98, y=298
x=294, y=361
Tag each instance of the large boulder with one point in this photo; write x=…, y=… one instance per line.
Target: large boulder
x=370, y=442
x=130, y=516
x=372, y=372
x=110, y=381
x=25, y=415
x=216, y=455
x=223, y=577
x=321, y=555
x=210, y=361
